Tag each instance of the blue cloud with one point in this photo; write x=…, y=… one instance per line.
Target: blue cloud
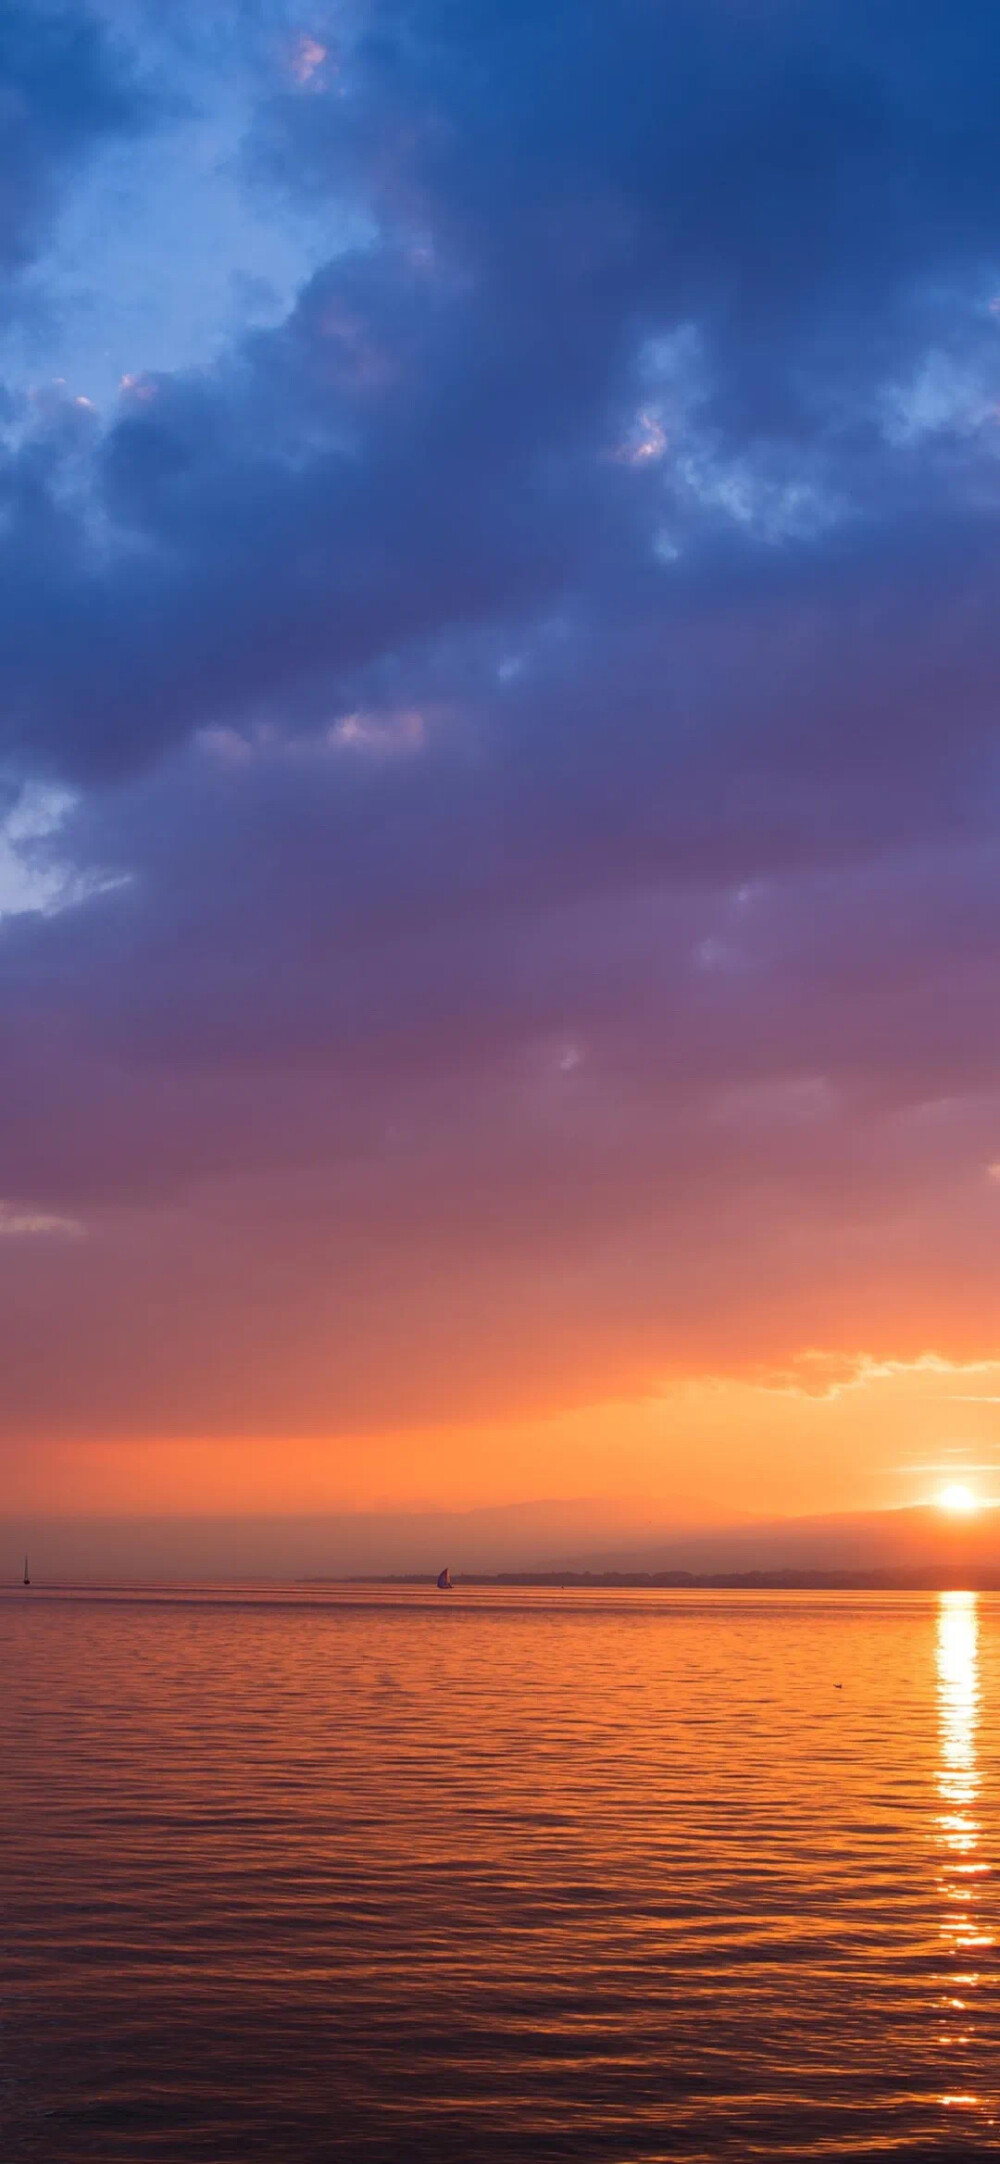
x=65, y=88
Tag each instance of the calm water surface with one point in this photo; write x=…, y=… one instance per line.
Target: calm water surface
x=480, y=1876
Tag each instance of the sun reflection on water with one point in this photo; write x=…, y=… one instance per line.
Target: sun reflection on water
x=958, y=1825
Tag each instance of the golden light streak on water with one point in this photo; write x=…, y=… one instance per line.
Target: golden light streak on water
x=962, y=1870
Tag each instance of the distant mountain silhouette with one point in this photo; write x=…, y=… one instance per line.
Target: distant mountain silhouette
x=919, y=1538
x=549, y=1537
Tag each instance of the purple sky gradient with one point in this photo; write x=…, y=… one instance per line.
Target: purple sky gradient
x=499, y=634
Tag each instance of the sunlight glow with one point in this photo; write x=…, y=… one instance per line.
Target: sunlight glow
x=958, y=1499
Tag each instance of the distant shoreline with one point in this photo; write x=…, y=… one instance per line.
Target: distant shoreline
x=933, y=1579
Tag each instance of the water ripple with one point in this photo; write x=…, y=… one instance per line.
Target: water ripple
x=389, y=1876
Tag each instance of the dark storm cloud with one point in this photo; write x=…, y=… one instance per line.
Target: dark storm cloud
x=429, y=441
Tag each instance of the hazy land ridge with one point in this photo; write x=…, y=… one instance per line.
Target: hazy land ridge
x=552, y=1540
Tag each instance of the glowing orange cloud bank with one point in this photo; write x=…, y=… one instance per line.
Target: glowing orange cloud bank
x=831, y=1437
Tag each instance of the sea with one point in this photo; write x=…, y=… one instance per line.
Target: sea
x=393, y=1875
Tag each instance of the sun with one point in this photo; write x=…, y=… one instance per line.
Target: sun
x=960, y=1501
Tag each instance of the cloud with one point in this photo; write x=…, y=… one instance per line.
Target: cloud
x=417, y=448
x=529, y=693
x=66, y=88
x=34, y=877
x=36, y=1224
x=308, y=57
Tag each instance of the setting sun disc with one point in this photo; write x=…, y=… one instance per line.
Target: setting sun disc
x=958, y=1499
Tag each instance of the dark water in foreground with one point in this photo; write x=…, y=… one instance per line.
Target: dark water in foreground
x=589, y=1876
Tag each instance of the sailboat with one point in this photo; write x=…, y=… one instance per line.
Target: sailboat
x=444, y=1581
x=27, y=1580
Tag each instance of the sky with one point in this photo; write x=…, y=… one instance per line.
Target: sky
x=499, y=782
